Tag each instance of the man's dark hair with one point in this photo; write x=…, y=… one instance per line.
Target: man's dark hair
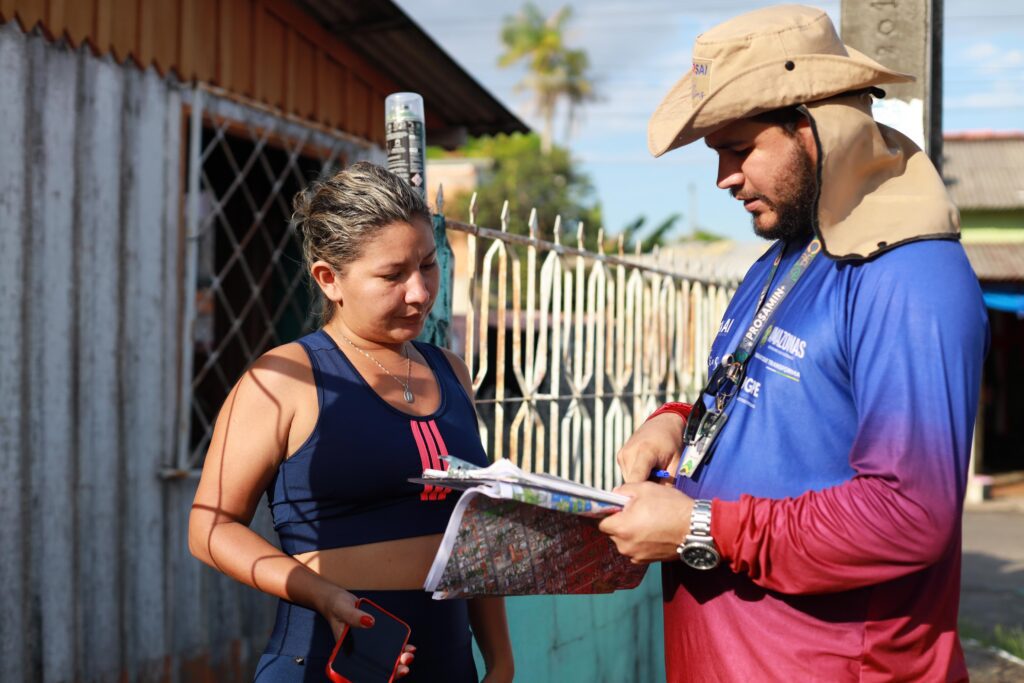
x=787, y=117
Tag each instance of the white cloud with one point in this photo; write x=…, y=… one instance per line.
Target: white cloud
x=992, y=99
x=988, y=58
x=980, y=51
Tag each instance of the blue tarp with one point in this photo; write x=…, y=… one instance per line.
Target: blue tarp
x=1011, y=302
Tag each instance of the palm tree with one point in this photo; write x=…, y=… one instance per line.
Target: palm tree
x=554, y=71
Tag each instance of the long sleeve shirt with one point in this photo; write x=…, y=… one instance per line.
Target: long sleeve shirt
x=839, y=477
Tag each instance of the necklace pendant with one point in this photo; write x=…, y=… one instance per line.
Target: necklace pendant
x=409, y=398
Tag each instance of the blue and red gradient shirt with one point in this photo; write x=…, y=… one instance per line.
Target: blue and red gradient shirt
x=839, y=478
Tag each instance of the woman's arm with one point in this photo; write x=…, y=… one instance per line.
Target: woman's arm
x=490, y=628
x=250, y=439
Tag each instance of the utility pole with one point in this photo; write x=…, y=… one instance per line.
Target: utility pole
x=905, y=35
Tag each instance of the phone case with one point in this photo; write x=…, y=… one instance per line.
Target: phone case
x=339, y=678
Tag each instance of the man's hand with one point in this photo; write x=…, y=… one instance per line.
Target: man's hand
x=656, y=444
x=653, y=523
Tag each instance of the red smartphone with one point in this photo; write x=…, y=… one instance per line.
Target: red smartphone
x=369, y=655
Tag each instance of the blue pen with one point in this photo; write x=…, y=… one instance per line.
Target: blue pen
x=661, y=474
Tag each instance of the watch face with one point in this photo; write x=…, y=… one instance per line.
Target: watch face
x=700, y=556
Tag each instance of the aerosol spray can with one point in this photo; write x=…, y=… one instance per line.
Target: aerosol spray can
x=405, y=140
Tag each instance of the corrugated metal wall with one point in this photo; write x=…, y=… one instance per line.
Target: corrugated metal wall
x=96, y=582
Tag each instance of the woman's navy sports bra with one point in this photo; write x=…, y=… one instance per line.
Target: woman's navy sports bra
x=347, y=484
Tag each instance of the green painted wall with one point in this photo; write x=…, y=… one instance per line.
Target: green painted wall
x=613, y=638
x=992, y=221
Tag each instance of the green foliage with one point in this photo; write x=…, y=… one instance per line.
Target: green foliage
x=657, y=236
x=702, y=235
x=554, y=71
x=1007, y=638
x=528, y=179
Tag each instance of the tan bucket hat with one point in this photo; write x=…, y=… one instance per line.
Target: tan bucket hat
x=763, y=60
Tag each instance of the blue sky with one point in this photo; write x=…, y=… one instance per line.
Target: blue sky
x=639, y=48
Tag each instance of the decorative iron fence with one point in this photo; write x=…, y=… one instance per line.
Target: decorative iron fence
x=570, y=349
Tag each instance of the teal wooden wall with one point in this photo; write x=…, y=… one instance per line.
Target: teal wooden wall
x=589, y=638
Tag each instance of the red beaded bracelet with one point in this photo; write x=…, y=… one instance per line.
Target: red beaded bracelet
x=680, y=409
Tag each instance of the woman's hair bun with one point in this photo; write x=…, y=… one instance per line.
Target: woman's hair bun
x=301, y=206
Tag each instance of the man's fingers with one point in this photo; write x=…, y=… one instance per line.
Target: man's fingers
x=637, y=470
x=630, y=489
x=607, y=526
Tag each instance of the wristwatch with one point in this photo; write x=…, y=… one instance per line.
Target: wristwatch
x=698, y=548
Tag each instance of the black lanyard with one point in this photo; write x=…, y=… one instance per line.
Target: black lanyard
x=704, y=425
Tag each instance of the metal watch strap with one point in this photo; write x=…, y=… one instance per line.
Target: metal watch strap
x=698, y=548
x=700, y=519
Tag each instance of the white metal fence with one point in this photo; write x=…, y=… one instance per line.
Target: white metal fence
x=570, y=349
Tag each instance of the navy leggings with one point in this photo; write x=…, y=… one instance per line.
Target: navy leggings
x=301, y=642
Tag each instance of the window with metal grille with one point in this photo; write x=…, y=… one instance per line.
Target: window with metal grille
x=246, y=288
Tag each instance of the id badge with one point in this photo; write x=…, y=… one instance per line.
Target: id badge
x=695, y=452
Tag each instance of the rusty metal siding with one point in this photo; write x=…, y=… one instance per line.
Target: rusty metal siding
x=266, y=48
x=96, y=582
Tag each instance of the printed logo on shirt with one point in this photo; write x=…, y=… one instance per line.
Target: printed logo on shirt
x=778, y=368
x=784, y=343
x=431, y=447
x=750, y=390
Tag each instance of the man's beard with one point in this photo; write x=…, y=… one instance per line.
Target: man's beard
x=797, y=196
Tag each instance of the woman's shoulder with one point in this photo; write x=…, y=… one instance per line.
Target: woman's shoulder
x=458, y=366
x=454, y=360
x=279, y=372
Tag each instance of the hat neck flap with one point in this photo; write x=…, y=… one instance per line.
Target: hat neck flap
x=878, y=189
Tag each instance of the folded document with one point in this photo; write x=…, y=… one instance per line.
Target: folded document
x=517, y=533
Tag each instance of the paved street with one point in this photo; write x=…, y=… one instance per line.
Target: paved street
x=992, y=585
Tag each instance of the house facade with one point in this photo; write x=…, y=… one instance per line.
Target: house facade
x=150, y=152
x=984, y=172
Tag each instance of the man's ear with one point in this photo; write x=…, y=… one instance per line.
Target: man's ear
x=327, y=280
x=805, y=134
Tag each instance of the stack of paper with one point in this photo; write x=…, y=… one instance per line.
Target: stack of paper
x=516, y=533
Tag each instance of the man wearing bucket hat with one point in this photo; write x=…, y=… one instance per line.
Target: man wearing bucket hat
x=814, y=529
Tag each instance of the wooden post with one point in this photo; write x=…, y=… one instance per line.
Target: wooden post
x=905, y=35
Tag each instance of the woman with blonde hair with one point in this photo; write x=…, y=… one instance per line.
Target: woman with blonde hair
x=331, y=427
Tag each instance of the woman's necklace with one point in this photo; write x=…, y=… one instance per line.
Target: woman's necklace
x=407, y=392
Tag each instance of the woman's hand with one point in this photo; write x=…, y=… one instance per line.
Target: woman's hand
x=339, y=608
